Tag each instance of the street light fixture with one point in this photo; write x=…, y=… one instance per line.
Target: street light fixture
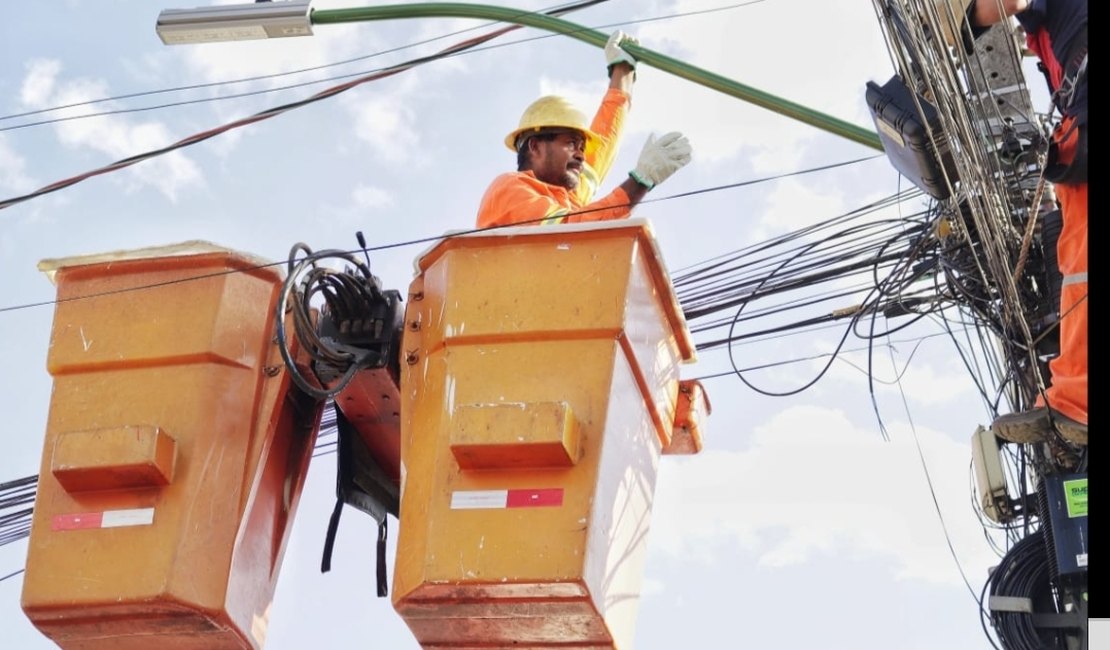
x=237, y=22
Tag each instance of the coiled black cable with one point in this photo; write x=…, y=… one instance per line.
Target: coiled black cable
x=342, y=293
x=1023, y=573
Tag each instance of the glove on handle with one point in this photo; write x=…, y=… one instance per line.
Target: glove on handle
x=615, y=54
x=661, y=158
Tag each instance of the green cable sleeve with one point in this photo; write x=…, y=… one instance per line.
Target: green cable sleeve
x=598, y=39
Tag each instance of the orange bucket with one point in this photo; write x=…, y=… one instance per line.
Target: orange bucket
x=174, y=455
x=540, y=388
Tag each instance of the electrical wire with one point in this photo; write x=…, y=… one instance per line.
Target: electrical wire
x=932, y=490
x=15, y=520
x=737, y=280
x=787, y=362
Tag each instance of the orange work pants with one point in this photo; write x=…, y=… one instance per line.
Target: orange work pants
x=1068, y=390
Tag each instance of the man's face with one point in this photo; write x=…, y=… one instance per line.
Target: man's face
x=559, y=160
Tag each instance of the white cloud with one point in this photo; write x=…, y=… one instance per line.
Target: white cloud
x=13, y=173
x=113, y=135
x=813, y=485
x=770, y=54
x=224, y=62
x=368, y=197
x=458, y=29
x=365, y=205
x=38, y=85
x=583, y=95
x=383, y=113
x=795, y=203
x=386, y=122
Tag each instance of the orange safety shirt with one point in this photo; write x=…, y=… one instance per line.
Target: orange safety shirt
x=518, y=197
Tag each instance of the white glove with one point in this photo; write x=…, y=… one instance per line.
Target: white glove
x=615, y=54
x=661, y=158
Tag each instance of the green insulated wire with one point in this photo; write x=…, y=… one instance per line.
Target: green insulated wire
x=598, y=39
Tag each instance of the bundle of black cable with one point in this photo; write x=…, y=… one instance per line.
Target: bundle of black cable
x=1024, y=572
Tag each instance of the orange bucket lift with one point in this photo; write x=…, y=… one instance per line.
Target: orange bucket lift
x=539, y=385
x=174, y=454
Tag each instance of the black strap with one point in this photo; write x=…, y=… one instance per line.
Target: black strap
x=329, y=538
x=329, y=546
x=361, y=483
x=383, y=581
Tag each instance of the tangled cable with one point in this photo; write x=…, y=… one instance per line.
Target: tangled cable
x=992, y=145
x=995, y=258
x=852, y=267
x=345, y=295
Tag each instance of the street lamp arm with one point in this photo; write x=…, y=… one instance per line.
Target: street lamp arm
x=598, y=39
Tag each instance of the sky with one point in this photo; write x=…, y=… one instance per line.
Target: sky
x=800, y=525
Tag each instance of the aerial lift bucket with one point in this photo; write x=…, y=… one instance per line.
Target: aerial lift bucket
x=174, y=456
x=540, y=385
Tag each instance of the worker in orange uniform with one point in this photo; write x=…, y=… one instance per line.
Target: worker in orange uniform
x=1056, y=31
x=562, y=159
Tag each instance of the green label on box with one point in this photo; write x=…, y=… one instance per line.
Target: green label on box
x=1075, y=494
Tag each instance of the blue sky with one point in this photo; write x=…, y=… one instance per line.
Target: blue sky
x=799, y=526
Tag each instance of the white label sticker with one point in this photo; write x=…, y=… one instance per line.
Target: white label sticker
x=479, y=499
x=1081, y=559
x=118, y=518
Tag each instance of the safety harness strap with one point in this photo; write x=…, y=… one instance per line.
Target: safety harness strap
x=361, y=483
x=329, y=537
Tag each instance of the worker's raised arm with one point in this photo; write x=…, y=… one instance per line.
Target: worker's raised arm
x=609, y=120
x=621, y=64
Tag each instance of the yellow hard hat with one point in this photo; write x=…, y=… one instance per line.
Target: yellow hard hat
x=553, y=111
